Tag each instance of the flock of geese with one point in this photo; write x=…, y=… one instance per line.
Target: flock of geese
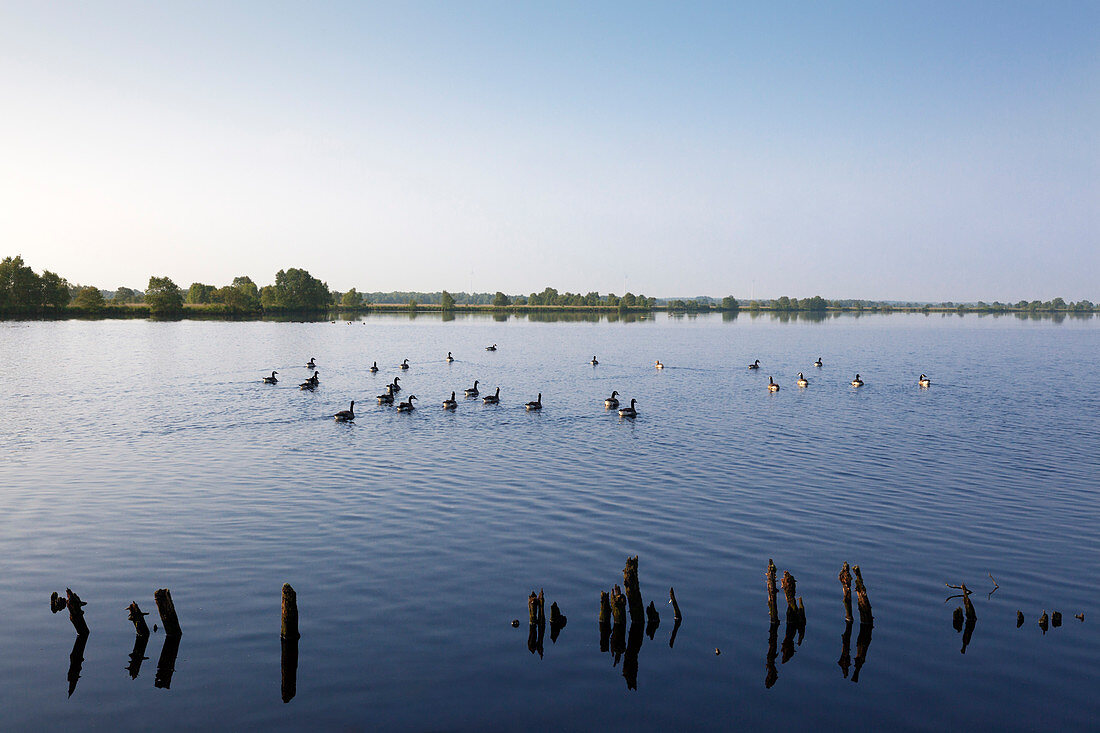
x=611, y=403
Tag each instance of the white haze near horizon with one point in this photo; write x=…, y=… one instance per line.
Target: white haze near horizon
x=945, y=152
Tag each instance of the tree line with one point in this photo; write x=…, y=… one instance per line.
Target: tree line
x=23, y=292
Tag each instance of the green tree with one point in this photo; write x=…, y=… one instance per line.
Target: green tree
x=297, y=290
x=89, y=299
x=729, y=303
x=20, y=287
x=55, y=290
x=125, y=295
x=351, y=299
x=500, y=300
x=164, y=297
x=199, y=293
x=446, y=301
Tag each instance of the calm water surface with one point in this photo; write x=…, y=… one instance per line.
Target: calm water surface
x=138, y=455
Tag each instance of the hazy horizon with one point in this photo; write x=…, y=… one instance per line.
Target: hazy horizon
x=939, y=153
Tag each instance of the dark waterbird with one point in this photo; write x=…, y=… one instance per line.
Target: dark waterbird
x=386, y=398
x=611, y=402
x=755, y=364
x=405, y=364
x=492, y=399
x=450, y=404
x=449, y=357
x=311, y=383
x=395, y=385
x=311, y=363
x=406, y=406
x=491, y=348
x=472, y=391
x=536, y=404
x=271, y=379
x=629, y=411
x=374, y=368
x=348, y=414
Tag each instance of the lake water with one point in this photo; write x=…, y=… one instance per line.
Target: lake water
x=138, y=455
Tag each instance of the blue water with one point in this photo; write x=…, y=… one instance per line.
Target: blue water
x=138, y=455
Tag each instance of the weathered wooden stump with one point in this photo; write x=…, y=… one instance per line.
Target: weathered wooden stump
x=845, y=578
x=1043, y=622
x=542, y=608
x=971, y=614
x=168, y=618
x=605, y=608
x=1056, y=619
x=57, y=603
x=675, y=606
x=773, y=608
x=289, y=627
x=76, y=612
x=633, y=590
x=862, y=601
x=138, y=619
x=618, y=606
x=533, y=609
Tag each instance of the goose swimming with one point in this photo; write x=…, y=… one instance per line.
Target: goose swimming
x=802, y=381
x=658, y=364
x=536, y=405
x=405, y=364
x=594, y=362
x=629, y=411
x=374, y=368
x=611, y=402
x=818, y=362
x=387, y=397
x=348, y=414
x=857, y=382
x=271, y=379
x=450, y=404
x=772, y=386
x=310, y=383
x=755, y=364
x=491, y=348
x=472, y=391
x=407, y=406
x=310, y=364
x=924, y=381
x=395, y=385
x=492, y=399
x=449, y=357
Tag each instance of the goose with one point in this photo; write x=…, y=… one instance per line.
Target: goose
x=818, y=362
x=491, y=348
x=405, y=364
x=387, y=398
x=755, y=364
x=492, y=399
x=611, y=402
x=449, y=357
x=536, y=405
x=924, y=381
x=472, y=391
x=348, y=414
x=406, y=406
x=857, y=382
x=450, y=404
x=629, y=411
x=271, y=379
x=772, y=386
x=310, y=383
x=311, y=363
x=802, y=381
x=374, y=367
x=594, y=362
x=395, y=385
x=658, y=364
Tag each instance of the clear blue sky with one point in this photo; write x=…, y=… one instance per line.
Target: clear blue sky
x=937, y=151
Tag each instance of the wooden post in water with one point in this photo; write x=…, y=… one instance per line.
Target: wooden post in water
x=532, y=609
x=845, y=578
x=633, y=591
x=57, y=603
x=773, y=609
x=788, y=584
x=1056, y=619
x=167, y=610
x=1043, y=622
x=76, y=612
x=675, y=606
x=138, y=618
x=605, y=608
x=289, y=627
x=862, y=601
x=542, y=609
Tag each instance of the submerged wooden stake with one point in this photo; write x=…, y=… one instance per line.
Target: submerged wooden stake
x=76, y=612
x=971, y=615
x=532, y=609
x=138, y=618
x=289, y=626
x=675, y=606
x=1056, y=619
x=862, y=601
x=605, y=608
x=773, y=609
x=633, y=590
x=618, y=606
x=167, y=610
x=789, y=583
x=1043, y=622
x=845, y=578
x=542, y=608
x=57, y=603
x=556, y=616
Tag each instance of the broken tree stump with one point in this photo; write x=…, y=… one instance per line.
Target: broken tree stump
x=167, y=610
x=971, y=614
x=138, y=618
x=532, y=609
x=76, y=612
x=845, y=578
x=773, y=609
x=605, y=608
x=1043, y=622
x=57, y=603
x=633, y=590
x=542, y=608
x=675, y=606
x=618, y=606
x=862, y=601
x=1056, y=619
x=289, y=627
